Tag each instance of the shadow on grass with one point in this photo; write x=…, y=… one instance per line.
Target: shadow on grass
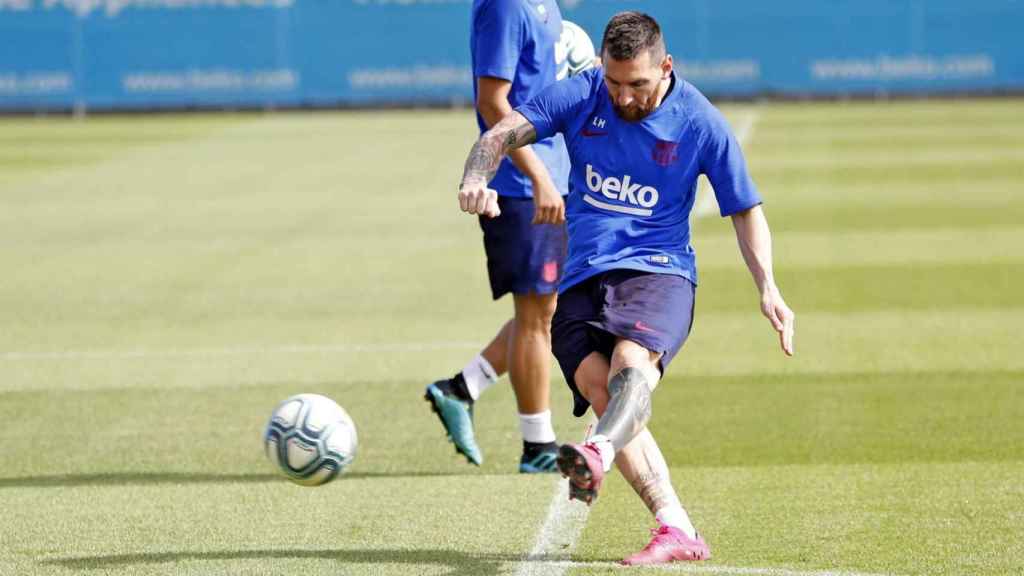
x=458, y=563
x=145, y=478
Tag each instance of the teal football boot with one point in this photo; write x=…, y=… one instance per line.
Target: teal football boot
x=539, y=458
x=457, y=417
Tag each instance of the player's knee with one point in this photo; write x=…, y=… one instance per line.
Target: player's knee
x=636, y=357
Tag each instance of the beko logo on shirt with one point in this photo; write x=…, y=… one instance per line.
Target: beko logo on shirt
x=639, y=197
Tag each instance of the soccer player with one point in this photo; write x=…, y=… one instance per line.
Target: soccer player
x=638, y=136
x=513, y=54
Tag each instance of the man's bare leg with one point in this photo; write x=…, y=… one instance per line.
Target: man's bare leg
x=640, y=460
x=621, y=397
x=529, y=369
x=632, y=376
x=496, y=352
x=643, y=466
x=529, y=351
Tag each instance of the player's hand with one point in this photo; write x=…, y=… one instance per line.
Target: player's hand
x=782, y=318
x=548, y=204
x=476, y=198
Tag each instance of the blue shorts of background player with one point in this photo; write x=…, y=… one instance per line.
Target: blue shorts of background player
x=522, y=257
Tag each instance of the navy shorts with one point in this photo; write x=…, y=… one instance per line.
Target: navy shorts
x=522, y=257
x=653, y=310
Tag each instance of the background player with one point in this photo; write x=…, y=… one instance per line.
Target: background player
x=638, y=136
x=513, y=52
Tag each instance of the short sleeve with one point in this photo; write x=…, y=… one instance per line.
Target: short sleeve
x=551, y=110
x=498, y=39
x=723, y=162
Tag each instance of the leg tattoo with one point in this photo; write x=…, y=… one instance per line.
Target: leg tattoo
x=644, y=467
x=629, y=408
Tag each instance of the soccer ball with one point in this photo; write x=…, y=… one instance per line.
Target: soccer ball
x=574, y=51
x=310, y=439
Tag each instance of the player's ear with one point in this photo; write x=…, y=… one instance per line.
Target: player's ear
x=666, y=67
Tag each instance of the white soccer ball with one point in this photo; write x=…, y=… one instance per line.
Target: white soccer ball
x=574, y=51
x=310, y=439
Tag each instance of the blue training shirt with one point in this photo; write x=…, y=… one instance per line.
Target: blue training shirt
x=515, y=40
x=634, y=183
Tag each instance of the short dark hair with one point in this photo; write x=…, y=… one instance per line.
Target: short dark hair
x=630, y=34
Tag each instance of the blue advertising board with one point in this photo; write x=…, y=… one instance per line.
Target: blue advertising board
x=262, y=53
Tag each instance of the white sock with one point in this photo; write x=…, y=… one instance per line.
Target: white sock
x=537, y=428
x=676, y=517
x=604, y=446
x=479, y=376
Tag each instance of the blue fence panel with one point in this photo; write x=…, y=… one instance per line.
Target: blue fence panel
x=384, y=51
x=39, y=57
x=183, y=53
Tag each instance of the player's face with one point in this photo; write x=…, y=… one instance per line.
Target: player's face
x=636, y=85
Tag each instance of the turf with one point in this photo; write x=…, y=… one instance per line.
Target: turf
x=167, y=280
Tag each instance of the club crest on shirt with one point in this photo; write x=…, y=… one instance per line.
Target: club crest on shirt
x=665, y=153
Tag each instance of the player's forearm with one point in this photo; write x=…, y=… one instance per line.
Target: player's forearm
x=483, y=160
x=755, y=242
x=494, y=110
x=510, y=133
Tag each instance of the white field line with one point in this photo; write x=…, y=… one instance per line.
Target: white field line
x=60, y=355
x=558, y=535
x=697, y=568
x=706, y=204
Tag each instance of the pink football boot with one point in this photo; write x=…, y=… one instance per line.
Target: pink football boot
x=581, y=464
x=670, y=545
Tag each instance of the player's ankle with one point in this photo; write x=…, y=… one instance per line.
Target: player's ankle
x=531, y=449
x=537, y=428
x=477, y=376
x=456, y=386
x=676, y=517
x=605, y=449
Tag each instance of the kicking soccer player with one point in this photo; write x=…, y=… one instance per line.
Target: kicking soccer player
x=513, y=53
x=638, y=137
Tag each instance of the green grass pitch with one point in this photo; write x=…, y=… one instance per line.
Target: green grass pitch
x=165, y=281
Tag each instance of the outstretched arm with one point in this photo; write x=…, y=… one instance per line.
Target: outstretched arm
x=513, y=131
x=755, y=242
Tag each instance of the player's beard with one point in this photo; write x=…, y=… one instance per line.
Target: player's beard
x=634, y=113
x=637, y=111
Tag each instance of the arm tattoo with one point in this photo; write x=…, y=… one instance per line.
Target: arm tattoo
x=483, y=160
x=513, y=131
x=522, y=132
